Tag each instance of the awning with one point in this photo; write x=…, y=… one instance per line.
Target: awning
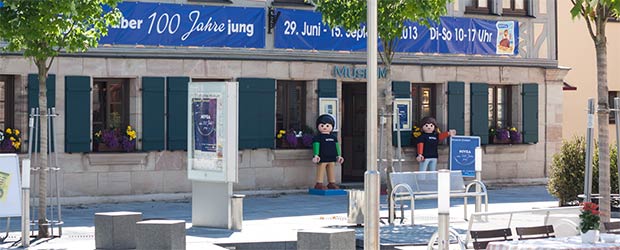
x=568, y=87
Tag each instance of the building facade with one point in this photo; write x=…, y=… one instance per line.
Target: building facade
x=144, y=85
x=572, y=37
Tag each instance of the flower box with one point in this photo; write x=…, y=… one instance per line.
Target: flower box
x=102, y=147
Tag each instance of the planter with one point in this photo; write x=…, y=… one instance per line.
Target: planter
x=495, y=140
x=102, y=147
x=589, y=237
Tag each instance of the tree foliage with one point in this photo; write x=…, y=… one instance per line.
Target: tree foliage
x=41, y=29
x=596, y=13
x=391, y=16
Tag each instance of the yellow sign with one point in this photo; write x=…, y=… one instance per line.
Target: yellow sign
x=5, y=178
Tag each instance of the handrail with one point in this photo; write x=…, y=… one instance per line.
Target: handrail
x=402, y=213
x=546, y=211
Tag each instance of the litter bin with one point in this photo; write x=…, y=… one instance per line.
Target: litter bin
x=355, y=211
x=237, y=211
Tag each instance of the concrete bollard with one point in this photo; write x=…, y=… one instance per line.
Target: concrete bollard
x=326, y=239
x=116, y=230
x=160, y=234
x=237, y=211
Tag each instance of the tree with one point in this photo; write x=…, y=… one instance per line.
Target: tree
x=391, y=15
x=596, y=13
x=41, y=29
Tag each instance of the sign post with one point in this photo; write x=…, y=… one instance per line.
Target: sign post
x=25, y=202
x=466, y=156
x=212, y=151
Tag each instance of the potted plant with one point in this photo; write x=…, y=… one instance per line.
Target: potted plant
x=293, y=139
x=589, y=222
x=114, y=140
x=10, y=140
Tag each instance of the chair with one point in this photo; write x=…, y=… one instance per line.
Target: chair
x=483, y=237
x=612, y=227
x=540, y=232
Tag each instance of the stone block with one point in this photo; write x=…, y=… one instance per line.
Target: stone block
x=116, y=230
x=326, y=239
x=160, y=234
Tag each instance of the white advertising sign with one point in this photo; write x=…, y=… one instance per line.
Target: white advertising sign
x=212, y=131
x=10, y=183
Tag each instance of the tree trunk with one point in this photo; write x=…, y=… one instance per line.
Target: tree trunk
x=603, y=128
x=43, y=166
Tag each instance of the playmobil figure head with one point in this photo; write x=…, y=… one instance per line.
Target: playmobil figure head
x=325, y=123
x=429, y=124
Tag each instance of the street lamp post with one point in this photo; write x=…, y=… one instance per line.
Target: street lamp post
x=371, y=177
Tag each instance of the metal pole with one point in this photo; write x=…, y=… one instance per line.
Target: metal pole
x=56, y=170
x=443, y=208
x=617, y=120
x=26, y=203
x=478, y=169
x=50, y=203
x=587, y=189
x=371, y=177
x=398, y=139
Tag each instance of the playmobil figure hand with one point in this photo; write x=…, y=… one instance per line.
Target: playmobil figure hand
x=452, y=132
x=420, y=158
x=340, y=159
x=316, y=159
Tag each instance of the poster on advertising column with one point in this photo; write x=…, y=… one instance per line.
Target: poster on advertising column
x=212, y=131
x=463, y=154
x=10, y=193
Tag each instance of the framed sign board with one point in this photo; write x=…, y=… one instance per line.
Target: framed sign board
x=10, y=183
x=330, y=106
x=463, y=154
x=212, y=131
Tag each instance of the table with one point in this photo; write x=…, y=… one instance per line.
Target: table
x=573, y=242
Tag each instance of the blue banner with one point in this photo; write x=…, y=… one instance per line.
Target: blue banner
x=188, y=25
x=302, y=29
x=463, y=154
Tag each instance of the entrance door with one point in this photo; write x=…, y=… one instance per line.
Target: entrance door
x=354, y=131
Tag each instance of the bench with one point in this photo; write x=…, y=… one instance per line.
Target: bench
x=421, y=185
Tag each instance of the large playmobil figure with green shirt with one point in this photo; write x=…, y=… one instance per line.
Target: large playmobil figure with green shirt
x=326, y=152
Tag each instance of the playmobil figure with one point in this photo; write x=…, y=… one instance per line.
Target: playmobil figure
x=427, y=144
x=326, y=152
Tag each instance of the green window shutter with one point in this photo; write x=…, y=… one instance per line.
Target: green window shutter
x=177, y=113
x=480, y=111
x=327, y=88
x=456, y=106
x=153, y=108
x=530, y=113
x=77, y=114
x=33, y=100
x=402, y=90
x=257, y=105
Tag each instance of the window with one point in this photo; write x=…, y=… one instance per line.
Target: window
x=6, y=102
x=515, y=7
x=110, y=104
x=291, y=109
x=612, y=114
x=479, y=7
x=423, y=96
x=290, y=2
x=499, y=106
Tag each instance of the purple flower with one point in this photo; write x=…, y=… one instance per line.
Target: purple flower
x=291, y=138
x=515, y=136
x=109, y=138
x=502, y=134
x=128, y=145
x=6, y=145
x=306, y=139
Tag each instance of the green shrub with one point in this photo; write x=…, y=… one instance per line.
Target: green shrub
x=567, y=173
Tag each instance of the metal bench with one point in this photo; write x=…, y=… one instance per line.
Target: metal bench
x=414, y=186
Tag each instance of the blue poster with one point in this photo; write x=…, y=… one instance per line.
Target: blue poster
x=463, y=154
x=403, y=114
x=303, y=29
x=204, y=112
x=188, y=25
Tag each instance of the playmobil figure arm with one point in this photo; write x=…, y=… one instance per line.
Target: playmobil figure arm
x=340, y=159
x=444, y=135
x=316, y=146
x=420, y=156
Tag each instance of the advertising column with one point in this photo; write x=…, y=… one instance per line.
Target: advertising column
x=212, y=151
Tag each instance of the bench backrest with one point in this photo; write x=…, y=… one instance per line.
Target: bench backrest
x=426, y=181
